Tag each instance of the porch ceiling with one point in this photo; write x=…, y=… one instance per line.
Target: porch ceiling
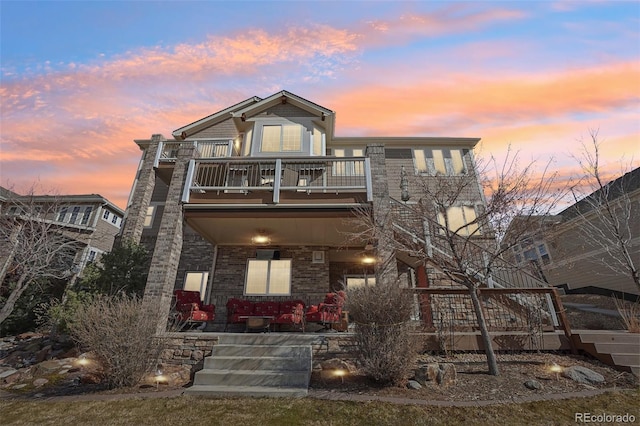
x=283, y=228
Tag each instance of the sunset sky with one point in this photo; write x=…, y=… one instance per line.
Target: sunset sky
x=81, y=80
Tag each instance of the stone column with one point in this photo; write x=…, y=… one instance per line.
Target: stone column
x=145, y=182
x=166, y=256
x=386, y=268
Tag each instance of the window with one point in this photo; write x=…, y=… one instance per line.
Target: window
x=528, y=251
x=197, y=281
x=268, y=277
x=317, y=141
x=86, y=215
x=148, y=218
x=439, y=161
x=114, y=219
x=280, y=138
x=74, y=214
x=459, y=220
x=92, y=256
x=359, y=281
x=62, y=214
x=348, y=168
x=105, y=215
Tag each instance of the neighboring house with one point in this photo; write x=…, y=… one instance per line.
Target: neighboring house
x=569, y=251
x=257, y=200
x=90, y=221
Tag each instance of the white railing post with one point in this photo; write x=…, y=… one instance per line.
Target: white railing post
x=367, y=175
x=156, y=162
x=276, y=181
x=186, y=192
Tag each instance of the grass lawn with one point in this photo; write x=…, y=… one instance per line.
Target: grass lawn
x=306, y=411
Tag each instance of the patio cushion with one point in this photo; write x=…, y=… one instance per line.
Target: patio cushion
x=190, y=308
x=266, y=308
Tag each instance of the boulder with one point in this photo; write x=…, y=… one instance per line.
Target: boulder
x=447, y=374
x=41, y=355
x=583, y=375
x=336, y=364
x=414, y=385
x=533, y=384
x=40, y=382
x=442, y=374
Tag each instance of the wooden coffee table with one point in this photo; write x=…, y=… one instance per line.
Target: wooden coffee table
x=257, y=322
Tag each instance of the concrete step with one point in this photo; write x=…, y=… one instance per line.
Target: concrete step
x=261, y=350
x=626, y=359
x=274, y=363
x=607, y=336
x=243, y=391
x=617, y=348
x=277, y=339
x=263, y=378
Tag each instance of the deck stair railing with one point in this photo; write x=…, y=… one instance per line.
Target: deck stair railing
x=479, y=263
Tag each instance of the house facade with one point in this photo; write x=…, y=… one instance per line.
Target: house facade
x=89, y=225
x=575, y=249
x=257, y=201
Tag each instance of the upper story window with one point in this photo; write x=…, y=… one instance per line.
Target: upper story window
x=348, y=168
x=86, y=215
x=460, y=220
x=281, y=138
x=148, y=217
x=439, y=161
x=530, y=251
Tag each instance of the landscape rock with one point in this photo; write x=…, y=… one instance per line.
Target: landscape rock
x=447, y=374
x=40, y=382
x=582, y=375
x=47, y=367
x=443, y=374
x=533, y=384
x=7, y=373
x=336, y=364
x=414, y=385
x=41, y=355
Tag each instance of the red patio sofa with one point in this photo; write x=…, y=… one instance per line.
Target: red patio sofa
x=289, y=312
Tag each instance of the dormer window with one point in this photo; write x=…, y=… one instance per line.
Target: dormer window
x=281, y=138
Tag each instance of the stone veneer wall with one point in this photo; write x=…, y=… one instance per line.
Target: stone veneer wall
x=309, y=281
x=190, y=349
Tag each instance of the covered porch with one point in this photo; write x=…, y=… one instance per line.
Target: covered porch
x=274, y=255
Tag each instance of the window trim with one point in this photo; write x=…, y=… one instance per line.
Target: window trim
x=367, y=278
x=282, y=126
x=463, y=231
x=268, y=277
x=444, y=167
x=204, y=282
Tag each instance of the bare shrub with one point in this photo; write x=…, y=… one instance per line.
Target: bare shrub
x=120, y=332
x=630, y=313
x=386, y=345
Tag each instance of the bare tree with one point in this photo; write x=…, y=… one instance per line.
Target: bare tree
x=34, y=247
x=607, y=212
x=454, y=225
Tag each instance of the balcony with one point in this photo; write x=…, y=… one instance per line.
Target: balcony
x=278, y=181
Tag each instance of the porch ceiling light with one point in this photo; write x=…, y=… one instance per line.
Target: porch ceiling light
x=368, y=260
x=261, y=238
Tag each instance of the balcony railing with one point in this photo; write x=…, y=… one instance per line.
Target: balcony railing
x=214, y=148
x=295, y=175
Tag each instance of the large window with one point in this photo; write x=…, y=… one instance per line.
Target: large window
x=459, y=220
x=197, y=281
x=439, y=161
x=355, y=281
x=148, y=217
x=268, y=277
x=348, y=168
x=281, y=138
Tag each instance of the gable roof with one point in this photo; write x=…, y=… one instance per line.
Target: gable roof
x=253, y=106
x=184, y=131
x=624, y=184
